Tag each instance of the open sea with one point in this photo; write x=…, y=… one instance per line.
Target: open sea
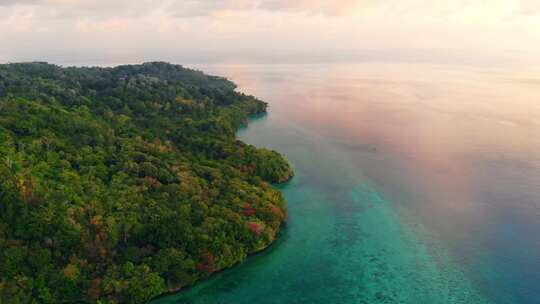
x=415, y=183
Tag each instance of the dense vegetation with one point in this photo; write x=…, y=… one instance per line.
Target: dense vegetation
x=119, y=184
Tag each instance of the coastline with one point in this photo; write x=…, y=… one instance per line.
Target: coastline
x=275, y=242
x=272, y=244
x=175, y=196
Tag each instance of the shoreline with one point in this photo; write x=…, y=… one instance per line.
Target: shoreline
x=275, y=241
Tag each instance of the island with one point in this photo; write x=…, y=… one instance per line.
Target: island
x=123, y=183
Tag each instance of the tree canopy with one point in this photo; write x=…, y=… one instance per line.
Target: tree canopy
x=120, y=184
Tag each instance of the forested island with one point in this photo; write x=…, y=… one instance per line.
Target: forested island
x=121, y=184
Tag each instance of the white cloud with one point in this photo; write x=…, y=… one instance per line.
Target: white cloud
x=43, y=29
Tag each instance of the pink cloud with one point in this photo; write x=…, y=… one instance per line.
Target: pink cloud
x=335, y=7
x=530, y=7
x=109, y=25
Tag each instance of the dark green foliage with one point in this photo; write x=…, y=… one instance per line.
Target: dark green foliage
x=119, y=184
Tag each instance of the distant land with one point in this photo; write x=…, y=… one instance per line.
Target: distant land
x=121, y=184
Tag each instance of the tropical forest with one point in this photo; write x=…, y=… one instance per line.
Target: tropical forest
x=121, y=184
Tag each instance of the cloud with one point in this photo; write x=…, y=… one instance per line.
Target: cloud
x=195, y=8
x=65, y=28
x=95, y=9
x=530, y=7
x=16, y=2
x=335, y=7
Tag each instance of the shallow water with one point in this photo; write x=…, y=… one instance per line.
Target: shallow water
x=415, y=184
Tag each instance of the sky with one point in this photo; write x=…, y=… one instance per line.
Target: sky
x=81, y=31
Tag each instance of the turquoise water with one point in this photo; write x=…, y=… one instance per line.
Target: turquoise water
x=405, y=191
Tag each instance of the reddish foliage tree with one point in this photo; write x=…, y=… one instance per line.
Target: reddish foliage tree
x=248, y=209
x=255, y=228
x=277, y=212
x=94, y=291
x=207, y=264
